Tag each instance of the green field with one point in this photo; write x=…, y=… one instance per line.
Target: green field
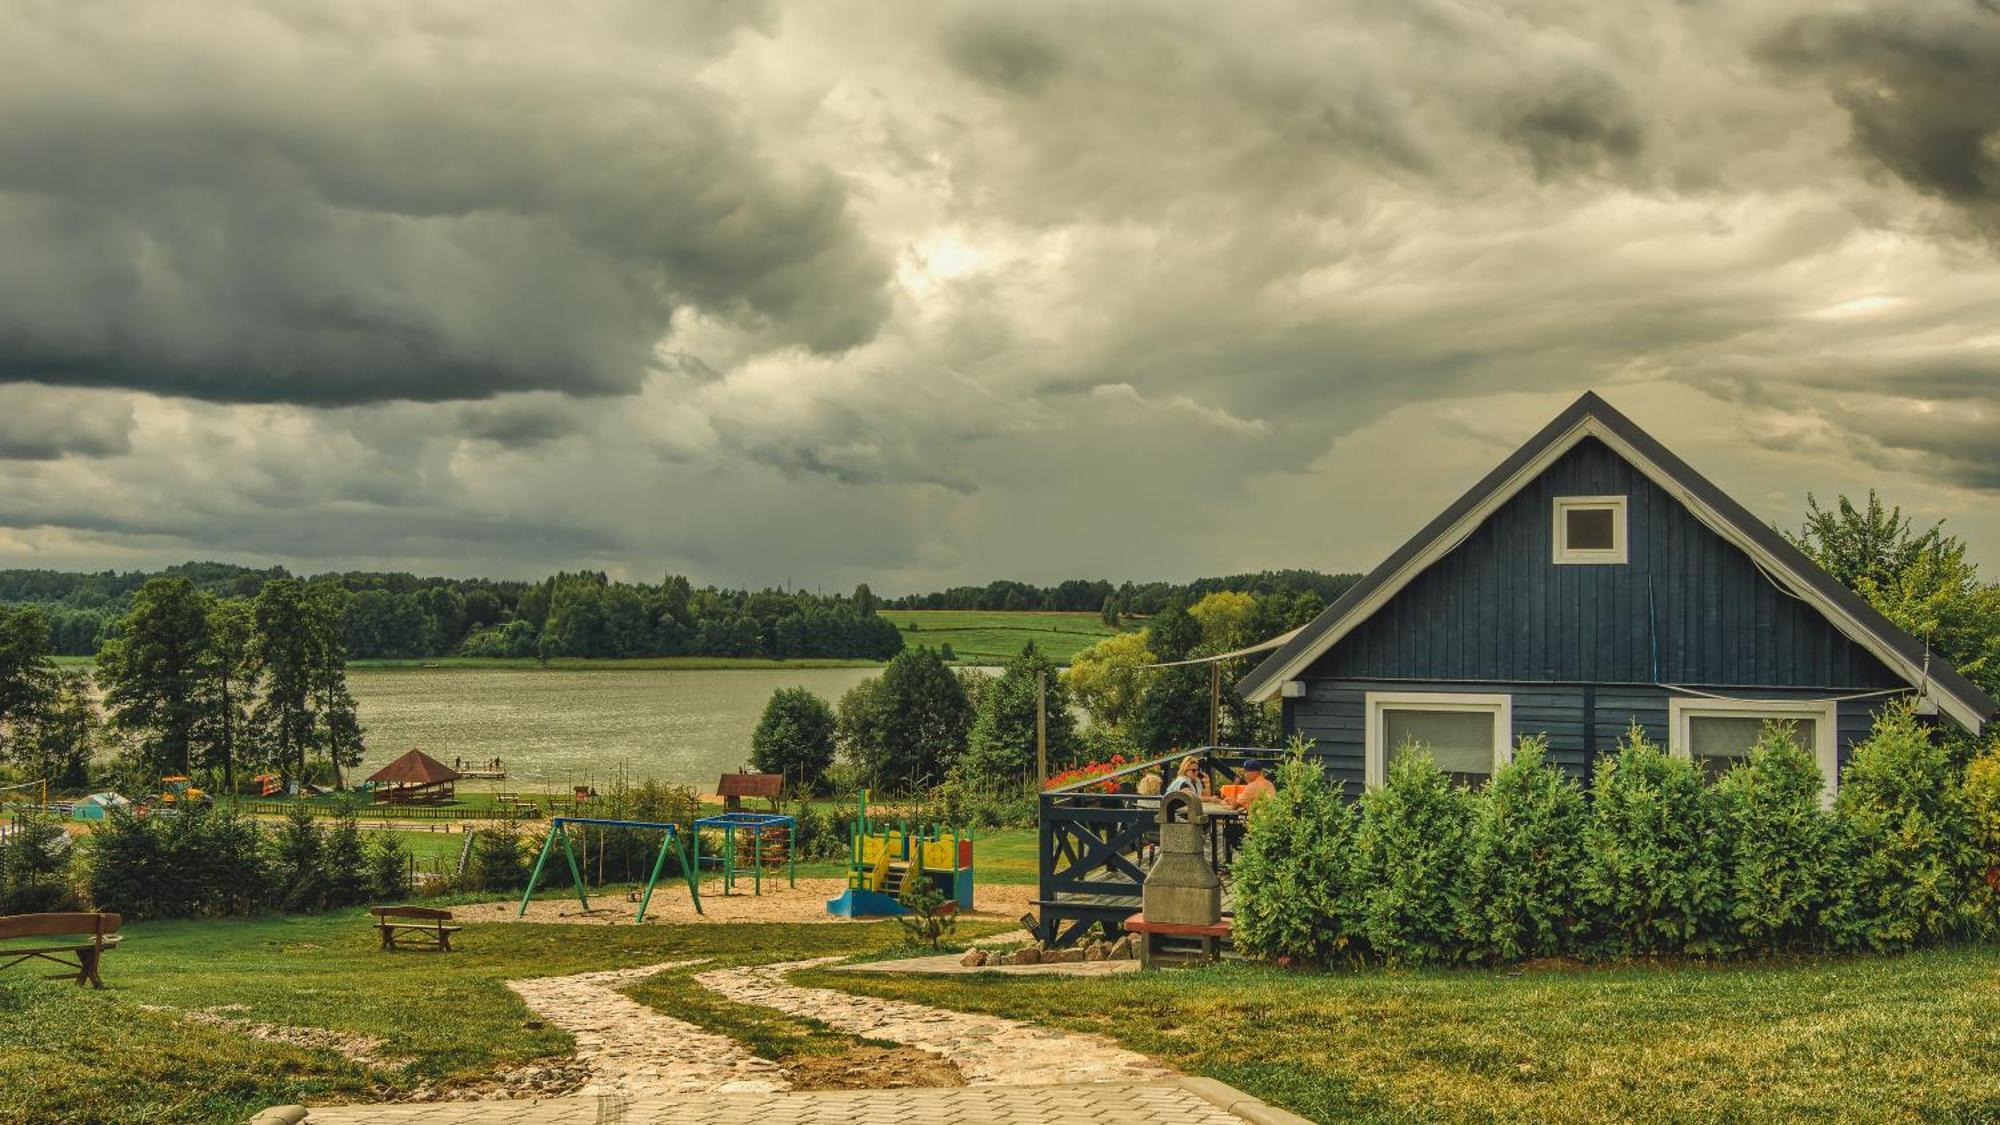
x=993, y=637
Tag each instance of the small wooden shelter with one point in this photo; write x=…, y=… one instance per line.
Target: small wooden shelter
x=416, y=778
x=735, y=786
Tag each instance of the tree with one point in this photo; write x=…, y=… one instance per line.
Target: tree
x=153, y=673
x=1110, y=612
x=229, y=682
x=1000, y=749
x=864, y=600
x=336, y=716
x=794, y=737
x=283, y=654
x=1522, y=861
x=1225, y=618
x=906, y=728
x=61, y=740
x=1921, y=581
x=1109, y=678
x=27, y=675
x=1911, y=833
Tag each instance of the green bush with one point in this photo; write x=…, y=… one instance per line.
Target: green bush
x=1912, y=836
x=1982, y=804
x=1787, y=871
x=1524, y=860
x=1409, y=861
x=35, y=868
x=344, y=862
x=297, y=866
x=1652, y=875
x=1295, y=894
x=202, y=862
x=388, y=867
x=499, y=862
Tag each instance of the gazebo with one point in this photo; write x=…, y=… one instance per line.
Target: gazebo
x=416, y=778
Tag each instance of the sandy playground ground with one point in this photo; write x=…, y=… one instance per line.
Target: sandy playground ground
x=779, y=903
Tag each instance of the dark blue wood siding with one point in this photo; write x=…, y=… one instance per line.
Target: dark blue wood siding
x=1687, y=608
x=1334, y=715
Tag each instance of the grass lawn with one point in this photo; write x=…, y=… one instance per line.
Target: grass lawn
x=1864, y=1039
x=992, y=637
x=74, y=1055
x=604, y=664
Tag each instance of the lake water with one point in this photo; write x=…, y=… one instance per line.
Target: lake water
x=561, y=727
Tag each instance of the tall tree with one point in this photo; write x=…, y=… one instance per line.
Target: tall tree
x=794, y=737
x=337, y=719
x=27, y=675
x=229, y=685
x=283, y=654
x=63, y=736
x=1000, y=750
x=907, y=727
x=152, y=674
x=1920, y=580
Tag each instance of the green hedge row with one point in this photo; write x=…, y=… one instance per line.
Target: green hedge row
x=1653, y=861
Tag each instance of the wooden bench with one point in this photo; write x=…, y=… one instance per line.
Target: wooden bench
x=427, y=923
x=83, y=937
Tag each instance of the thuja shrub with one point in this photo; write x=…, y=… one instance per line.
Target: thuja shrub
x=1982, y=806
x=1912, y=836
x=35, y=868
x=344, y=862
x=1409, y=860
x=1652, y=875
x=1523, y=861
x=202, y=862
x=298, y=869
x=1294, y=883
x=1784, y=856
x=388, y=867
x=499, y=860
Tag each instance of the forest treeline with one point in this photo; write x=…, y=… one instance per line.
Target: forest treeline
x=586, y=614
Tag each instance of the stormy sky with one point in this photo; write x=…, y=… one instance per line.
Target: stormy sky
x=924, y=293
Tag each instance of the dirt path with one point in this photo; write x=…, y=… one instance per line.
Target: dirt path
x=988, y=1050
x=635, y=1051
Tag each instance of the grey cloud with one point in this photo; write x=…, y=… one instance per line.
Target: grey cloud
x=38, y=424
x=1011, y=57
x=277, y=211
x=1920, y=84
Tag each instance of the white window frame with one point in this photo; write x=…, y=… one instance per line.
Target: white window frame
x=1501, y=707
x=1825, y=714
x=1565, y=556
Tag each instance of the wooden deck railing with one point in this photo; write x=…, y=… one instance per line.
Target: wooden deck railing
x=1094, y=845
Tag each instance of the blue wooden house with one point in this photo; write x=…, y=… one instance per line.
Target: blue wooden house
x=1592, y=581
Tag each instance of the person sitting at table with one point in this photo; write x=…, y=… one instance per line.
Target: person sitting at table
x=1189, y=778
x=1256, y=786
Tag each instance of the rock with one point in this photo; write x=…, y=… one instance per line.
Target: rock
x=1062, y=957
x=973, y=958
x=1123, y=949
x=1028, y=956
x=1098, y=951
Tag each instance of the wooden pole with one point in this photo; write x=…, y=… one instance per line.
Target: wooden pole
x=1215, y=703
x=1041, y=729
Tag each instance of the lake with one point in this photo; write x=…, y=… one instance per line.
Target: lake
x=564, y=727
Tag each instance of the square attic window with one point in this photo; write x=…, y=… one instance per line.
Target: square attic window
x=1590, y=529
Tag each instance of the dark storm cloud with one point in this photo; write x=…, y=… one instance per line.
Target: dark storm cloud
x=1585, y=124
x=1013, y=58
x=276, y=210
x=1920, y=83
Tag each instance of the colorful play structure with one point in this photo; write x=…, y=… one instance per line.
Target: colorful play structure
x=761, y=831
x=669, y=842
x=884, y=861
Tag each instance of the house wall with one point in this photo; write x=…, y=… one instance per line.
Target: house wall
x=1687, y=608
x=1580, y=720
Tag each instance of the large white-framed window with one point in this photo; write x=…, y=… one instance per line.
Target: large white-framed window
x=1718, y=733
x=1468, y=735
x=1590, y=529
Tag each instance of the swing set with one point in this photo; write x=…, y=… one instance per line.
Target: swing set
x=669, y=842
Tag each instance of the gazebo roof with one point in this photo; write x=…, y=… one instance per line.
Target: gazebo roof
x=415, y=768
x=750, y=785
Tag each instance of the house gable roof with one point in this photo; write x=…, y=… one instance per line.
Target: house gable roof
x=1591, y=416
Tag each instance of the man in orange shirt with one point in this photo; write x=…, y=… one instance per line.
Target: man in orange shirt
x=1256, y=786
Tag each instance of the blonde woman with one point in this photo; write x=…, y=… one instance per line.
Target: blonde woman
x=1189, y=778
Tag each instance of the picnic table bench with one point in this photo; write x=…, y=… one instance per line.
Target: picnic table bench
x=81, y=936
x=426, y=922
